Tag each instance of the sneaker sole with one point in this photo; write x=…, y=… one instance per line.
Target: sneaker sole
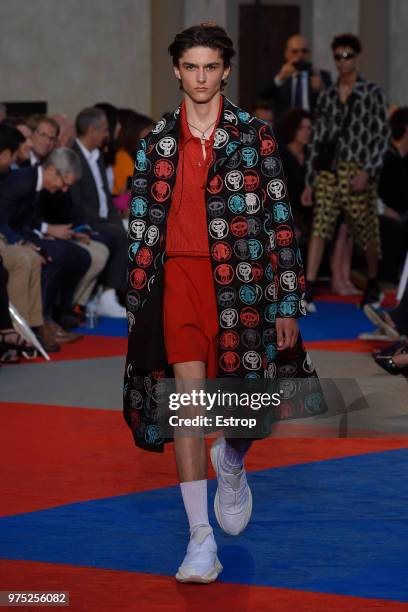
x=210, y=576
x=375, y=318
x=218, y=514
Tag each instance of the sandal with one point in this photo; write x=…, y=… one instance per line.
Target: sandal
x=388, y=364
x=10, y=340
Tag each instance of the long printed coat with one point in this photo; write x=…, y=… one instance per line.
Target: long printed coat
x=256, y=263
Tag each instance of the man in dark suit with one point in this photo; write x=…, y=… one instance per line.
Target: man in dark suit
x=65, y=262
x=297, y=84
x=91, y=193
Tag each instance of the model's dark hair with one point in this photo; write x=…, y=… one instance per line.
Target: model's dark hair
x=132, y=124
x=399, y=122
x=347, y=40
x=290, y=123
x=203, y=35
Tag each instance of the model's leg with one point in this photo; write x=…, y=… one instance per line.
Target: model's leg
x=337, y=262
x=201, y=563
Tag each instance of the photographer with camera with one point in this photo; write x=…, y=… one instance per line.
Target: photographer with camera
x=298, y=83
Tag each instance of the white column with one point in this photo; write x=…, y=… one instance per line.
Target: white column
x=331, y=17
x=398, y=51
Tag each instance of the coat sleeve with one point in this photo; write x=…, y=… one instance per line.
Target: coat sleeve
x=286, y=262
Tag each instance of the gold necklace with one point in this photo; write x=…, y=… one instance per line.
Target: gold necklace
x=202, y=132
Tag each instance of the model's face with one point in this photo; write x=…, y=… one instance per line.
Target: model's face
x=44, y=139
x=304, y=131
x=201, y=71
x=345, y=59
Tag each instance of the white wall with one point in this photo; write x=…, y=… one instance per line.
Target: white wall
x=74, y=53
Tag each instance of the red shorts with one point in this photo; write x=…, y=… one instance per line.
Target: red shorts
x=190, y=317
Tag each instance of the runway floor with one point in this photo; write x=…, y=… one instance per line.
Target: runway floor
x=82, y=510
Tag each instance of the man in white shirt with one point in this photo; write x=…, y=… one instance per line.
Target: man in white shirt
x=91, y=194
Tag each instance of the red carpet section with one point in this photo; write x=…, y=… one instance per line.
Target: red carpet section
x=96, y=589
x=62, y=455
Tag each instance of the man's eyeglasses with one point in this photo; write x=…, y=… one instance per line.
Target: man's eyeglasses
x=64, y=184
x=343, y=56
x=303, y=50
x=46, y=136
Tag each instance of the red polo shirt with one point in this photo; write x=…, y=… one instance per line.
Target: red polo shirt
x=187, y=233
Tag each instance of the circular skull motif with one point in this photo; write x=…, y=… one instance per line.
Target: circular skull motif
x=288, y=370
x=230, y=117
x=248, y=137
x=229, y=340
x=221, y=251
x=152, y=235
x=270, y=371
x=166, y=147
x=287, y=388
x=288, y=306
x=252, y=360
x=224, y=273
x=137, y=228
x=244, y=272
x=276, y=189
x=314, y=403
x=163, y=168
x=255, y=248
x=133, y=248
x=268, y=335
x=229, y=361
x=234, y=180
x=140, y=185
x=220, y=138
x=218, y=228
x=232, y=146
x=288, y=281
x=271, y=351
x=234, y=161
x=254, y=224
x=228, y=318
x=271, y=292
x=270, y=312
x=142, y=164
x=159, y=127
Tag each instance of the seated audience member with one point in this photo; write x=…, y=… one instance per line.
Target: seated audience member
x=23, y=151
x=133, y=127
x=110, y=146
x=293, y=133
x=393, y=191
x=12, y=345
x=91, y=194
x=10, y=141
x=264, y=109
x=45, y=132
x=66, y=262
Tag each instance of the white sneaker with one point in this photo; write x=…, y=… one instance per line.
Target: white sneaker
x=108, y=305
x=233, y=499
x=201, y=563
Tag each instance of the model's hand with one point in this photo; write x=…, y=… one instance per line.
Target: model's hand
x=306, y=197
x=359, y=182
x=287, y=332
x=81, y=237
x=286, y=71
x=60, y=231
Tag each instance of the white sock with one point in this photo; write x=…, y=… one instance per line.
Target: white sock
x=233, y=459
x=194, y=495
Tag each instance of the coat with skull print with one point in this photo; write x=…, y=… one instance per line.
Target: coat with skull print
x=257, y=268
